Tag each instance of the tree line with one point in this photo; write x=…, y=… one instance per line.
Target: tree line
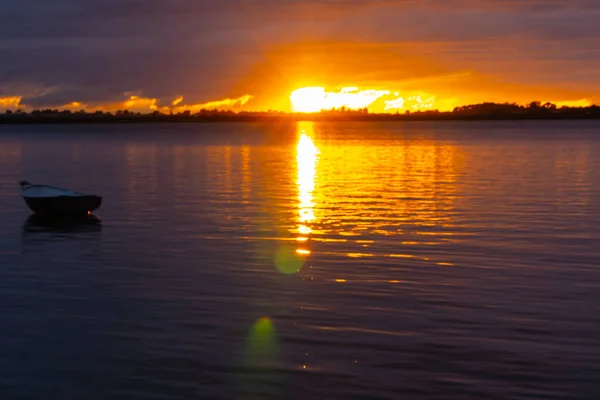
x=533, y=110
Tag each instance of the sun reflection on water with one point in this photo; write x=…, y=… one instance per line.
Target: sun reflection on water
x=307, y=157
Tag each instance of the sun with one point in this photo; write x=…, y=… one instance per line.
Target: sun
x=308, y=99
x=314, y=99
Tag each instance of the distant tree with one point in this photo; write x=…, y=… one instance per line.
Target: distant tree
x=9, y=112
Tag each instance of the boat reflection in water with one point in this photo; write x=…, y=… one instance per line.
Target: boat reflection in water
x=64, y=224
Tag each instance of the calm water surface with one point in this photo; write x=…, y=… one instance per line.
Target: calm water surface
x=304, y=261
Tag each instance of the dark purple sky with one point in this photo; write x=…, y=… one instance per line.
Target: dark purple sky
x=99, y=51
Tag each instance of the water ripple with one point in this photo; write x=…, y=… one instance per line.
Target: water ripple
x=308, y=260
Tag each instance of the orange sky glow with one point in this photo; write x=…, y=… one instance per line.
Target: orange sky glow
x=310, y=99
x=301, y=55
x=384, y=78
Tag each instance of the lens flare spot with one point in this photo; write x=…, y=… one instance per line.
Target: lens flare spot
x=262, y=346
x=288, y=261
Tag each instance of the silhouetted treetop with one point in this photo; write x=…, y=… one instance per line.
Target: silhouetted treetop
x=482, y=111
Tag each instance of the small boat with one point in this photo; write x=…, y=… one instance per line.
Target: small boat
x=49, y=200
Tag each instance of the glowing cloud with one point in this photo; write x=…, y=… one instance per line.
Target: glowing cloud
x=141, y=103
x=414, y=103
x=315, y=99
x=75, y=105
x=224, y=104
x=177, y=101
x=150, y=104
x=395, y=104
x=12, y=102
x=419, y=104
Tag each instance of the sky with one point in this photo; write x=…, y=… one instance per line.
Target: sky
x=252, y=54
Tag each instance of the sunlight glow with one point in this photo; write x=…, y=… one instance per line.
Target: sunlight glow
x=574, y=103
x=315, y=99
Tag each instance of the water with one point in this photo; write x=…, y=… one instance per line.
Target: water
x=304, y=261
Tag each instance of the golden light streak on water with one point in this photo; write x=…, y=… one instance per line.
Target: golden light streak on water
x=307, y=158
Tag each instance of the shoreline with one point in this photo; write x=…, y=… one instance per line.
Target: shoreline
x=27, y=119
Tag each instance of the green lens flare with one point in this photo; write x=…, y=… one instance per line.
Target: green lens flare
x=262, y=348
x=288, y=261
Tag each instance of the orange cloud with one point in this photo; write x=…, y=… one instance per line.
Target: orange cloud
x=220, y=104
x=151, y=104
x=10, y=103
x=133, y=104
x=136, y=103
x=74, y=106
